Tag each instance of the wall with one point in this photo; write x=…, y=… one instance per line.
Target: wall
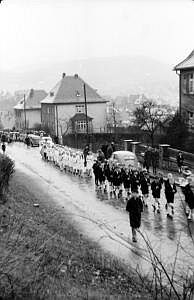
x=187, y=100
x=97, y=111
x=32, y=117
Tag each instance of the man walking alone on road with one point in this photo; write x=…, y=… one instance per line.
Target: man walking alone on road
x=134, y=208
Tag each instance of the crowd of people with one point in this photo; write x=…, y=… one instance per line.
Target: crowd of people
x=136, y=187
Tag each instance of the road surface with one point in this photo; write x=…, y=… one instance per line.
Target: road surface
x=105, y=220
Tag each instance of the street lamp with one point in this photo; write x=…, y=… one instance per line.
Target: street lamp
x=25, y=112
x=86, y=112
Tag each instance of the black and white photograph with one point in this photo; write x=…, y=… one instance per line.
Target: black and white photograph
x=96, y=149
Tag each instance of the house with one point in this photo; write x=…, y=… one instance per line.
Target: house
x=72, y=106
x=185, y=70
x=27, y=111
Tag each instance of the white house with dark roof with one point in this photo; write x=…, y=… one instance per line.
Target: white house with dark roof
x=67, y=109
x=27, y=111
x=185, y=70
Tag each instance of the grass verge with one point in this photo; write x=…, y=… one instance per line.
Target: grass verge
x=42, y=255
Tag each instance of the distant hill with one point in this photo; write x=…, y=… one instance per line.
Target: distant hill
x=115, y=76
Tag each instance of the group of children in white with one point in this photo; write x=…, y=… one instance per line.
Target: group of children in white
x=120, y=182
x=67, y=159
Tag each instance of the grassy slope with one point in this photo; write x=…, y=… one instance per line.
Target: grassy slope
x=42, y=256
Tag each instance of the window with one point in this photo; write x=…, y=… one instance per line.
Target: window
x=81, y=125
x=184, y=83
x=188, y=83
x=191, y=84
x=79, y=108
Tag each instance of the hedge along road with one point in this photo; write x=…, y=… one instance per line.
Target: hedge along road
x=106, y=221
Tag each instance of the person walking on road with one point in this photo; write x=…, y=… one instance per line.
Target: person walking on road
x=85, y=154
x=3, y=147
x=170, y=190
x=144, y=185
x=147, y=159
x=134, y=208
x=156, y=187
x=155, y=160
x=180, y=160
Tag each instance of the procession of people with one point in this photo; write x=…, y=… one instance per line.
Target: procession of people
x=138, y=188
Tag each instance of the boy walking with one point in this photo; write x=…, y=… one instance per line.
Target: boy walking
x=134, y=208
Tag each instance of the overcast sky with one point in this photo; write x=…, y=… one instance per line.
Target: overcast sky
x=36, y=32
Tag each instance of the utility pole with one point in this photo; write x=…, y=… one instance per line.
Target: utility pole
x=25, y=112
x=86, y=112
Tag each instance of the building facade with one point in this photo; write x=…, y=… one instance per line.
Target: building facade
x=27, y=112
x=72, y=106
x=185, y=70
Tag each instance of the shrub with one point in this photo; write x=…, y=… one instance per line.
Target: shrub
x=6, y=170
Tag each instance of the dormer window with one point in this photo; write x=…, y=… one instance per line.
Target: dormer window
x=79, y=108
x=78, y=94
x=51, y=94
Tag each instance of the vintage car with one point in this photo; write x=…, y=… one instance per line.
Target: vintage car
x=34, y=140
x=124, y=159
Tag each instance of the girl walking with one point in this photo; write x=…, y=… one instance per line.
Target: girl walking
x=170, y=190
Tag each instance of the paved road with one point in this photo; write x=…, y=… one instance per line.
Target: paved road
x=104, y=220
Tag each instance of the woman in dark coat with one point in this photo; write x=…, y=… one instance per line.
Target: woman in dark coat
x=134, y=208
x=156, y=187
x=170, y=190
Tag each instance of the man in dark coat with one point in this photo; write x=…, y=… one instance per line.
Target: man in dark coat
x=85, y=153
x=155, y=160
x=134, y=208
x=109, y=151
x=147, y=159
x=96, y=172
x=180, y=160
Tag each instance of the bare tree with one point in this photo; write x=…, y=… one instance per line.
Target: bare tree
x=113, y=116
x=149, y=116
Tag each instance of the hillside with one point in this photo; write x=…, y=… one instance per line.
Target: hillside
x=114, y=76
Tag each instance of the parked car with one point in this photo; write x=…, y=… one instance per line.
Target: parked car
x=34, y=140
x=124, y=159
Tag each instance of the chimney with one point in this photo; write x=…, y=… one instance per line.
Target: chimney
x=76, y=75
x=63, y=75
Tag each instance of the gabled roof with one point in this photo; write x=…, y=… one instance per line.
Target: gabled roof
x=186, y=63
x=80, y=117
x=70, y=89
x=32, y=100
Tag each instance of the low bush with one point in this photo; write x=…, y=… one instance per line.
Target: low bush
x=6, y=170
